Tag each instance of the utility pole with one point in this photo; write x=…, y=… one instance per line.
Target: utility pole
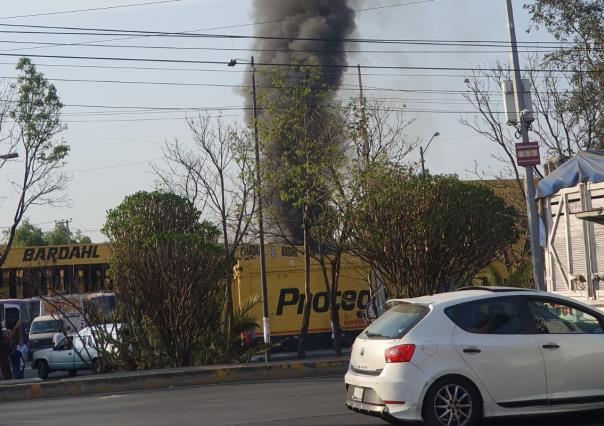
x=363, y=124
x=64, y=222
x=265, y=317
x=521, y=108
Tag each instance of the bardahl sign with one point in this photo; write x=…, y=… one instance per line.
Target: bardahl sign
x=60, y=253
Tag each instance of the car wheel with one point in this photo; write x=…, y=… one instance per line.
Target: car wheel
x=42, y=369
x=97, y=366
x=72, y=373
x=452, y=401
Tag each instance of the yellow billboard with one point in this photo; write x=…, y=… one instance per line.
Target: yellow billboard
x=44, y=256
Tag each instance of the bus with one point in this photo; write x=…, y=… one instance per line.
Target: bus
x=79, y=309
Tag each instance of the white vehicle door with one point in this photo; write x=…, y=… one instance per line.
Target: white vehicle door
x=572, y=343
x=493, y=339
x=62, y=355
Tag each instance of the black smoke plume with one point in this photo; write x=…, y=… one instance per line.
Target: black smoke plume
x=305, y=32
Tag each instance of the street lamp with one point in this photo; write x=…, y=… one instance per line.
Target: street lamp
x=265, y=317
x=423, y=150
x=9, y=156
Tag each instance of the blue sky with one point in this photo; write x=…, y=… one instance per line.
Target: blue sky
x=110, y=154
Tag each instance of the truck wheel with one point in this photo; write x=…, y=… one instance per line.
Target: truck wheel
x=72, y=373
x=42, y=369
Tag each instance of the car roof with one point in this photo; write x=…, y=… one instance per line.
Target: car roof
x=466, y=294
x=47, y=318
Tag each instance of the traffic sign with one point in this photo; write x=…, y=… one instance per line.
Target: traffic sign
x=527, y=154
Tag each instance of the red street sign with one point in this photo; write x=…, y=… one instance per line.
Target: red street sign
x=527, y=154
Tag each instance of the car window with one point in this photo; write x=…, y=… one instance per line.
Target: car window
x=554, y=317
x=491, y=316
x=48, y=326
x=396, y=321
x=65, y=343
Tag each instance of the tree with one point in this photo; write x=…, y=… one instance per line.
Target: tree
x=29, y=122
x=31, y=235
x=424, y=234
x=62, y=235
x=34, y=107
x=579, y=26
x=301, y=134
x=167, y=271
x=215, y=176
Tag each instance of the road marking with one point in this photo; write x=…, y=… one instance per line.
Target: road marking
x=113, y=396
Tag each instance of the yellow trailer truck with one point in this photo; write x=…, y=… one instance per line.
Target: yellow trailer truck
x=285, y=290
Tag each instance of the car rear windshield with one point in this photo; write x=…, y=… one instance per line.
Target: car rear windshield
x=396, y=322
x=50, y=326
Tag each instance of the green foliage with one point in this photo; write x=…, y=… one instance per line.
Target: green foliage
x=31, y=235
x=579, y=24
x=519, y=276
x=244, y=322
x=37, y=111
x=302, y=134
x=167, y=270
x=424, y=233
x=34, y=106
x=148, y=214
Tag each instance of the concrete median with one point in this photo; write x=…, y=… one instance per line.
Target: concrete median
x=156, y=379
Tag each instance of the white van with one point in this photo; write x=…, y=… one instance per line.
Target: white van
x=43, y=329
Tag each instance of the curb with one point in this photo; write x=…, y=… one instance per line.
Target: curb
x=156, y=379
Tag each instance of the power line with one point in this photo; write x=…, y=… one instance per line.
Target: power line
x=247, y=49
x=308, y=65
x=123, y=6
x=143, y=33
x=236, y=71
x=241, y=25
x=112, y=166
x=244, y=86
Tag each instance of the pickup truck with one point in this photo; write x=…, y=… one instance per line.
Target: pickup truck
x=71, y=354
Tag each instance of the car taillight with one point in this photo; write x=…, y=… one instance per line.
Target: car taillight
x=400, y=353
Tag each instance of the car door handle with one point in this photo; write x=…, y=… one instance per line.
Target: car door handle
x=551, y=346
x=472, y=350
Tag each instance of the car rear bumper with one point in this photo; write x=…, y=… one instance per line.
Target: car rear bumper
x=394, y=394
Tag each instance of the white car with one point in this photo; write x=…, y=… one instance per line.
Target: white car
x=479, y=352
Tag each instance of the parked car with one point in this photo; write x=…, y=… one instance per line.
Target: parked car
x=479, y=352
x=71, y=354
x=43, y=329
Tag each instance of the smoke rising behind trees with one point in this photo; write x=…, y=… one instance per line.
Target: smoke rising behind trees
x=309, y=33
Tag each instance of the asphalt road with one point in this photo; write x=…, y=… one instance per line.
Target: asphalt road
x=299, y=402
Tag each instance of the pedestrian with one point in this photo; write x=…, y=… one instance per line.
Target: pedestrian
x=16, y=358
x=24, y=350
